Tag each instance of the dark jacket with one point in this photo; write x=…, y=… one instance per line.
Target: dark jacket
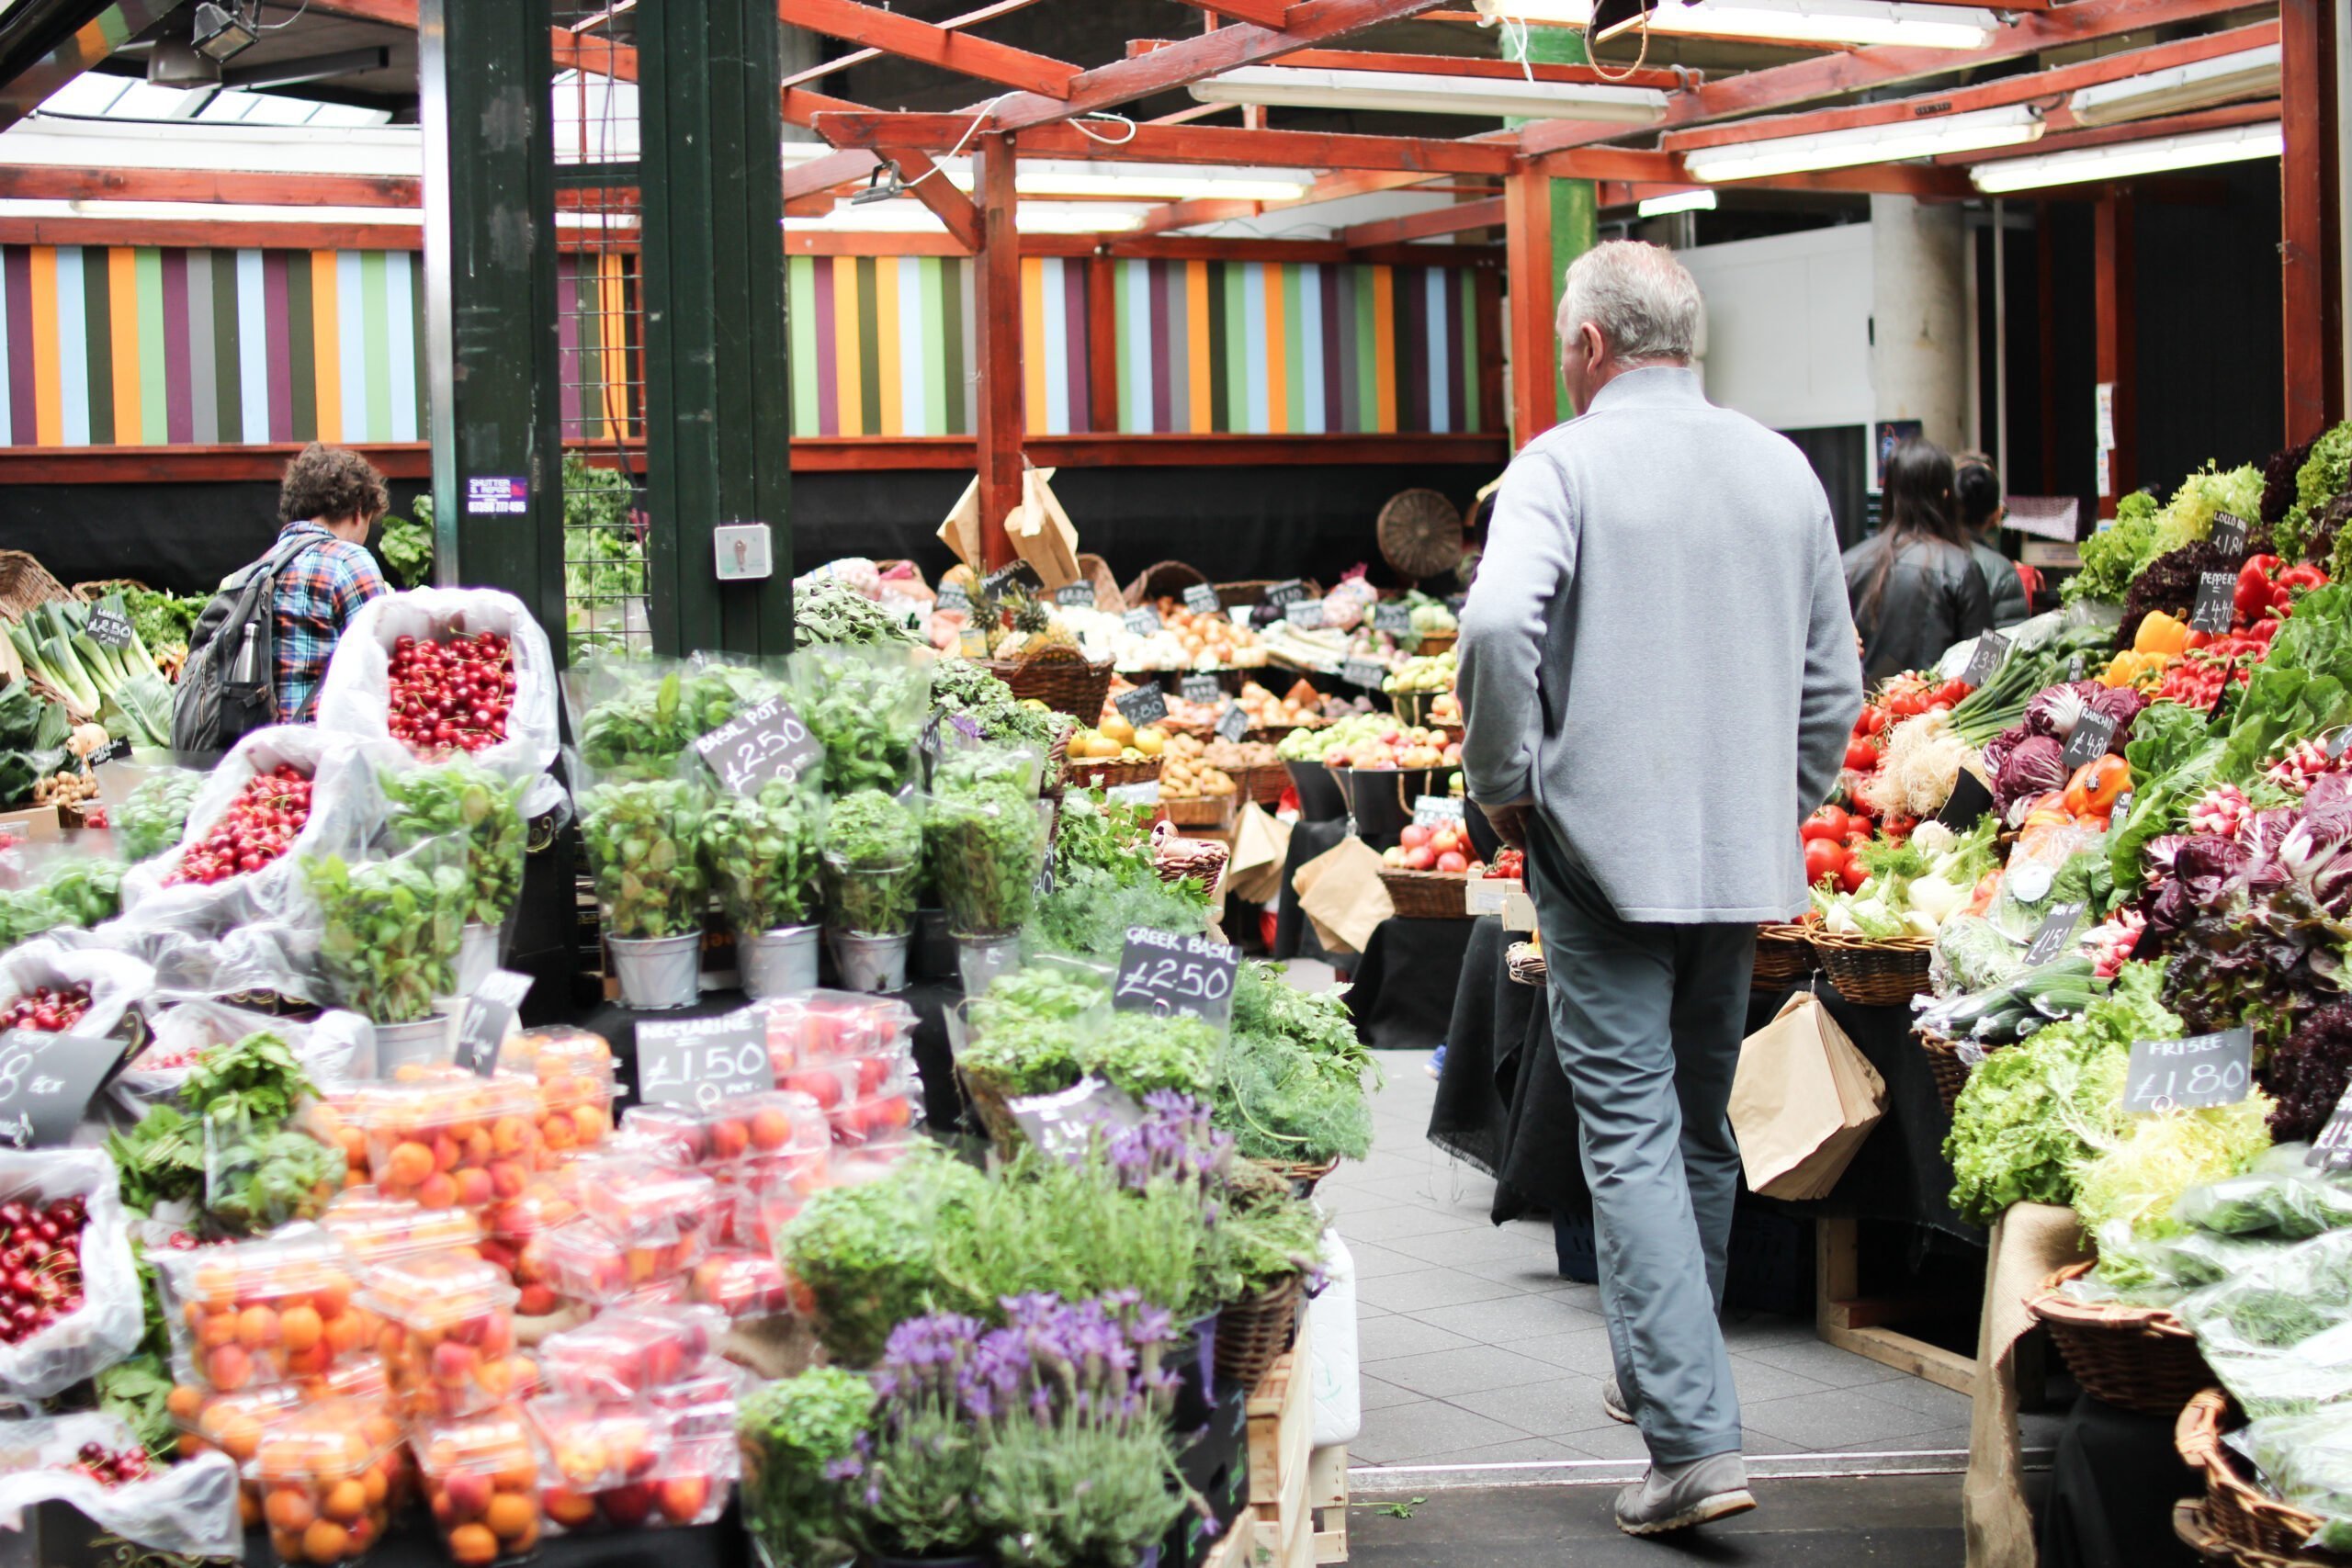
x=2001, y=581
x=1934, y=597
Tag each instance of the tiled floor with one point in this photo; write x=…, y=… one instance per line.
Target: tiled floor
x=1474, y=1350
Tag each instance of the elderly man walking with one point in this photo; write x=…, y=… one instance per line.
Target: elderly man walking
x=1659, y=675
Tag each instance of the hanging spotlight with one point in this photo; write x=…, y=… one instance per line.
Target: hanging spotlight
x=222, y=31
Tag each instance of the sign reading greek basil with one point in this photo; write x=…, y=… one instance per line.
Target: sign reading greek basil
x=1307, y=614
x=1233, y=724
x=953, y=597
x=1201, y=689
x=1201, y=600
x=1146, y=704
x=2331, y=1150
x=2204, y=1069
x=109, y=629
x=1284, y=593
x=1143, y=620
x=2216, y=602
x=2092, y=734
x=1991, y=651
x=1365, y=672
x=1436, y=810
x=1392, y=617
x=489, y=1015
x=703, y=1062
x=1067, y=1120
x=1075, y=596
x=46, y=1081
x=2057, y=927
x=765, y=741
x=1164, y=972
x=2228, y=536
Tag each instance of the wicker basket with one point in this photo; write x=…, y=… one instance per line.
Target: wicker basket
x=1427, y=894
x=2141, y=1359
x=1524, y=960
x=1435, y=643
x=1109, y=597
x=1255, y=1330
x=1253, y=591
x=25, y=584
x=2192, y=1522
x=1420, y=533
x=1875, y=973
x=2252, y=1524
x=1783, y=956
x=1070, y=686
x=1211, y=811
x=91, y=593
x=1264, y=785
x=1302, y=1177
x=1109, y=772
x=1163, y=580
x=1203, y=859
x=1944, y=1064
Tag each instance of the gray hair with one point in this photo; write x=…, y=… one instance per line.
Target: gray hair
x=1645, y=303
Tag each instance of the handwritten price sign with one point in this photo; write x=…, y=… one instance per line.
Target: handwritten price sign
x=763, y=742
x=1162, y=972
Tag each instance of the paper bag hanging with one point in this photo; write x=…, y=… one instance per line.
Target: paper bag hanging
x=961, y=531
x=1260, y=848
x=1803, y=1100
x=1340, y=891
x=1041, y=530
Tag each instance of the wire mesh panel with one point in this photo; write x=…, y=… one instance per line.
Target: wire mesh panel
x=600, y=296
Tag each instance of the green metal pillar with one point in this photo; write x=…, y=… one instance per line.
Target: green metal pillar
x=1576, y=204
x=484, y=75
x=717, y=418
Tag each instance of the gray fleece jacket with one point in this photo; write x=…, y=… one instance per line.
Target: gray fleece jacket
x=1658, y=651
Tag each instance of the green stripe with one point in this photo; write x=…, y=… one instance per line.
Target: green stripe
x=1294, y=346
x=952, y=273
x=1367, y=365
x=98, y=298
x=800, y=320
x=228, y=372
x=869, y=349
x=934, y=276
x=1465, y=287
x=374, y=301
x=301, y=349
x=147, y=273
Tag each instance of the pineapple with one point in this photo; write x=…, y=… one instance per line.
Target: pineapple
x=1035, y=631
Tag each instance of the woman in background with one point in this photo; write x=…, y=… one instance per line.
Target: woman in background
x=1913, y=586
x=1976, y=489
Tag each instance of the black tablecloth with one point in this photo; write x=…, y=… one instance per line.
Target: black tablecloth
x=2112, y=1484
x=1294, y=932
x=414, y=1543
x=1405, y=981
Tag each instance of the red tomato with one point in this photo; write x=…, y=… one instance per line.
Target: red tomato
x=1861, y=756
x=1951, y=693
x=1850, y=876
x=1828, y=822
x=1907, y=705
x=1453, y=862
x=1823, y=857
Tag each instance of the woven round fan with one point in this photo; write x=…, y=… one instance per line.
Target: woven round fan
x=1420, y=532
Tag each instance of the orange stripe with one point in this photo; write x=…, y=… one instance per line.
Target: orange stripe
x=1277, y=353
x=49, y=399
x=1384, y=344
x=886, y=344
x=326, y=337
x=1033, y=344
x=612, y=308
x=122, y=315
x=1196, y=314
x=848, y=386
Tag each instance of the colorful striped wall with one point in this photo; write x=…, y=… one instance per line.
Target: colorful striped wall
x=599, y=358
x=140, y=346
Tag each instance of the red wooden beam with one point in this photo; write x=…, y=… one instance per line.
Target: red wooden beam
x=861, y=56
x=1187, y=143
x=1784, y=86
x=1535, y=355
x=393, y=13
x=53, y=182
x=2309, y=255
x=1258, y=13
x=2007, y=90
x=1434, y=224
x=996, y=345
x=933, y=45
x=1499, y=70
x=1102, y=347
x=802, y=106
x=820, y=175
x=217, y=233
x=1330, y=187
x=1162, y=247
x=928, y=186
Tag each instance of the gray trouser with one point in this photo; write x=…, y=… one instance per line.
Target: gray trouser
x=1648, y=1021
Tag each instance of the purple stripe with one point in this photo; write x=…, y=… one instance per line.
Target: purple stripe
x=1413, y=284
x=1335, y=357
x=179, y=405
x=22, y=394
x=573, y=370
x=1163, y=373
x=829, y=400
x=281, y=350
x=1077, y=279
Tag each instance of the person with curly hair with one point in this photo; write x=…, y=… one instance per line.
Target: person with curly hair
x=330, y=496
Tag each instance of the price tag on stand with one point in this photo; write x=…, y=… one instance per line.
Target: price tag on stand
x=1066, y=1122
x=2092, y=731
x=1394, y=618
x=1146, y=704
x=1189, y=975
x=1144, y=793
x=1307, y=614
x=46, y=1081
x=1284, y=592
x=1969, y=800
x=2228, y=536
x=2216, y=602
x=703, y=1062
x=1201, y=600
x=2074, y=668
x=1233, y=724
x=1436, y=810
x=1991, y=651
x=993, y=585
x=953, y=597
x=2058, y=928
x=109, y=629
x=2204, y=1069
x=1075, y=596
x=1365, y=672
x=2332, y=1149
x=1204, y=690
x=765, y=741
x=2120, y=814
x=489, y=1018
x=1143, y=620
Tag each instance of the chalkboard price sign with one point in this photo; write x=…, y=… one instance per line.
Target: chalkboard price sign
x=489, y=1014
x=109, y=629
x=2216, y=602
x=46, y=1081
x=1392, y=617
x=2332, y=1149
x=1164, y=972
x=1146, y=704
x=2228, y=536
x=2092, y=731
x=765, y=741
x=1233, y=724
x=703, y=1062
x=1284, y=593
x=1075, y=596
x=1307, y=614
x=1201, y=600
x=2057, y=927
x=1143, y=620
x=1201, y=689
x=1365, y=672
x=993, y=585
x=953, y=597
x=1991, y=651
x=2204, y=1069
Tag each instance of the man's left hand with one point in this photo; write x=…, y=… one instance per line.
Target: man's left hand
x=1510, y=822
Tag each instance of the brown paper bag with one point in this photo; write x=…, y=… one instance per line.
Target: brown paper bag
x=1261, y=846
x=1341, y=892
x=961, y=531
x=1041, y=530
x=1802, y=1100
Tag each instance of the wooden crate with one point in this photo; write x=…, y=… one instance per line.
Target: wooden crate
x=1282, y=1449
x=1233, y=1551
x=1327, y=1498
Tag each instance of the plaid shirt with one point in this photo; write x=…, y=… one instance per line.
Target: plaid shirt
x=320, y=590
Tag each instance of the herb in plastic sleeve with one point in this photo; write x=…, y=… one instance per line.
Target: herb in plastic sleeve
x=866, y=712
x=984, y=840
x=155, y=815
x=873, y=864
x=85, y=892
x=24, y=913
x=462, y=796
x=393, y=929
x=654, y=722
x=643, y=839
x=764, y=854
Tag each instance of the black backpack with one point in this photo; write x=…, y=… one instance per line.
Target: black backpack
x=229, y=686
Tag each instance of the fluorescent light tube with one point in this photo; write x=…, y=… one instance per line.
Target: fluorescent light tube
x=1891, y=143
x=1805, y=21
x=1143, y=182
x=1680, y=201
x=1409, y=92
x=2250, y=73
x=2121, y=160
x=908, y=216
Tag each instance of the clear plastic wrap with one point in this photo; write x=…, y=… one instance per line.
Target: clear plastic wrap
x=108, y=1325
x=984, y=839
x=389, y=926
x=455, y=1352
x=2280, y=1196
x=353, y=695
x=189, y=1508
x=631, y=1352
x=866, y=706
x=2307, y=1459
x=482, y=1477
x=873, y=864
x=336, y=1048
x=117, y=983
x=485, y=802
x=2279, y=1332
x=450, y=1138
x=641, y=832
x=330, y=1473
x=280, y=1309
x=644, y=715
x=763, y=852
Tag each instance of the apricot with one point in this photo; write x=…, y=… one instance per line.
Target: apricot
x=682, y=1497
x=510, y=1514
x=229, y=1367
x=469, y=1492
x=771, y=1129
x=184, y=1401
x=473, y=1545
x=287, y=1548
x=345, y=1501
x=217, y=1329
x=289, y=1510
x=411, y=1163
x=248, y=1506
x=301, y=1327
x=325, y=1542
x=375, y=1486
x=569, y=1508
x=239, y=1437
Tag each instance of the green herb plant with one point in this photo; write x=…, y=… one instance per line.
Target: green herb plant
x=829, y=613
x=791, y=1432
x=865, y=708
x=648, y=719
x=405, y=546
x=873, y=864
x=392, y=927
x=643, y=838
x=764, y=854
x=868, y=1254
x=461, y=796
x=984, y=840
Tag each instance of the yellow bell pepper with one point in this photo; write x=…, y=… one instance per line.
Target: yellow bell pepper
x=2136, y=668
x=2160, y=633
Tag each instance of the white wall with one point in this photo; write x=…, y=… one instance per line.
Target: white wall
x=1919, y=361
x=1787, y=333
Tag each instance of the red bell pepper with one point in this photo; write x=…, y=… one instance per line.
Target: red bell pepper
x=2304, y=577
x=2253, y=593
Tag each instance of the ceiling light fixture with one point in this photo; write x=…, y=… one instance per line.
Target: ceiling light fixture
x=2123, y=159
x=2249, y=73
x=220, y=30
x=1972, y=133
x=908, y=216
x=1290, y=86
x=1680, y=201
x=1807, y=21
